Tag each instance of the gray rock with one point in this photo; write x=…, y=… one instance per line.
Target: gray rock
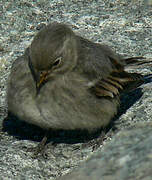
x=127, y=156
x=124, y=25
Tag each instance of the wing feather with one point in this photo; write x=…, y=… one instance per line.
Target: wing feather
x=118, y=81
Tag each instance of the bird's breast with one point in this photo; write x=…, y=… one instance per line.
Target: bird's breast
x=67, y=103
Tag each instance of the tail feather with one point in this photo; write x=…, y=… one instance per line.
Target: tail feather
x=135, y=62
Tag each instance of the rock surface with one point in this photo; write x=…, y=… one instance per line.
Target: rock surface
x=127, y=156
x=124, y=25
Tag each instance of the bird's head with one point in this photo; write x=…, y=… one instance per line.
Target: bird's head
x=53, y=52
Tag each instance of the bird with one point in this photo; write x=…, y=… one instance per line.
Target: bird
x=65, y=81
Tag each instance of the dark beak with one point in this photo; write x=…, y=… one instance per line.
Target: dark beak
x=41, y=79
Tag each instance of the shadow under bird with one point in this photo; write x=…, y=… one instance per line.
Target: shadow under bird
x=64, y=81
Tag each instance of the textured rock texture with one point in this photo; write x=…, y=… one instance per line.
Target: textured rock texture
x=127, y=156
x=124, y=25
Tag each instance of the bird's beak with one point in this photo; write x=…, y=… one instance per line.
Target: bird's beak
x=41, y=79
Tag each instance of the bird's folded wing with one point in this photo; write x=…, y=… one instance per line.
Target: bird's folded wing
x=117, y=83
x=119, y=80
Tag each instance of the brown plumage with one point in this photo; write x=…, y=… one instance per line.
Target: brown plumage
x=64, y=81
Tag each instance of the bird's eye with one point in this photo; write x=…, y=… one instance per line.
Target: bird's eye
x=57, y=61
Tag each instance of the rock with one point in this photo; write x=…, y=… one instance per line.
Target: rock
x=127, y=156
x=125, y=26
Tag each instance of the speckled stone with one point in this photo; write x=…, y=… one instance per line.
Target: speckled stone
x=124, y=25
x=127, y=156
